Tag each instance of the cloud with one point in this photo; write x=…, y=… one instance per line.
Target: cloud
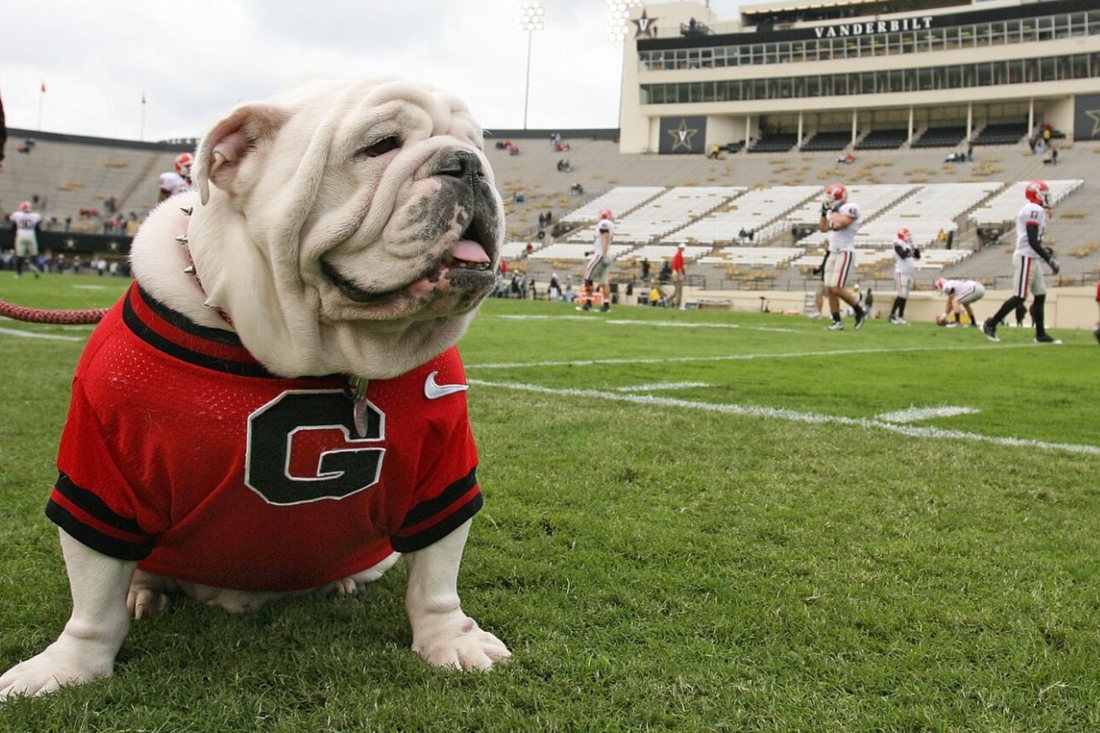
x=194, y=61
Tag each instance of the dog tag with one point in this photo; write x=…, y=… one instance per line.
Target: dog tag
x=356, y=389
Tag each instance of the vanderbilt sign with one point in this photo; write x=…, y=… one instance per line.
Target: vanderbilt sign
x=877, y=26
x=682, y=135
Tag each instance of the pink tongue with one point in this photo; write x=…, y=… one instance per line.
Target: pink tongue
x=469, y=251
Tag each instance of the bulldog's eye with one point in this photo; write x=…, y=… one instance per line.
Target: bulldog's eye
x=381, y=147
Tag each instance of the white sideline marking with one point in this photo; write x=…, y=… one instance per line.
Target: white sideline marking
x=632, y=322
x=790, y=416
x=740, y=357
x=63, y=327
x=917, y=414
x=34, y=335
x=661, y=385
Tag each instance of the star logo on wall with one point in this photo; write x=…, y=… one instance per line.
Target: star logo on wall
x=646, y=26
x=1094, y=115
x=70, y=243
x=681, y=136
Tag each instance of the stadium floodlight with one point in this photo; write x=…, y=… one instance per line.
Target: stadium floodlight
x=531, y=19
x=618, y=18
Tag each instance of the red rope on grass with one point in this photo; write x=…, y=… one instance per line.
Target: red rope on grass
x=42, y=315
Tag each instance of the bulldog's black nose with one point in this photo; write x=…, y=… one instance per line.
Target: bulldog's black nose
x=459, y=163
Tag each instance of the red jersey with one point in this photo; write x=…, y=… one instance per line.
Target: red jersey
x=1098, y=292
x=678, y=261
x=181, y=451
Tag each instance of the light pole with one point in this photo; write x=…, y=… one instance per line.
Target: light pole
x=530, y=19
x=618, y=25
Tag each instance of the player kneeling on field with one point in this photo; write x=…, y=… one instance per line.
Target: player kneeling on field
x=960, y=294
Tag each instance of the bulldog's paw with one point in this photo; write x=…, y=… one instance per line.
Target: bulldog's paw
x=148, y=594
x=61, y=665
x=353, y=583
x=458, y=643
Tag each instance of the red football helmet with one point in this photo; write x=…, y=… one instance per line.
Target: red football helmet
x=1038, y=192
x=939, y=283
x=25, y=206
x=836, y=195
x=183, y=164
x=905, y=235
x=605, y=214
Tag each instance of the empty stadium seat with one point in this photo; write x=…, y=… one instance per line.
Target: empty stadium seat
x=883, y=140
x=836, y=140
x=940, y=137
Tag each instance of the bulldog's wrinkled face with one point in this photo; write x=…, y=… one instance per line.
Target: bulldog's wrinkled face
x=408, y=223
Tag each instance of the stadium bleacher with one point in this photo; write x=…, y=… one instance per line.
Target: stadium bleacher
x=835, y=140
x=883, y=140
x=1003, y=207
x=775, y=142
x=621, y=200
x=664, y=214
x=755, y=212
x=941, y=137
x=1001, y=134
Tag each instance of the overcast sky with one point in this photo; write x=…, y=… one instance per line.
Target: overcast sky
x=195, y=59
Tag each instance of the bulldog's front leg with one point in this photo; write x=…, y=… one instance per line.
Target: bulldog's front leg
x=87, y=647
x=442, y=634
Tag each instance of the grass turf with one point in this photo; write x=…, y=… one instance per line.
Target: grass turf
x=655, y=566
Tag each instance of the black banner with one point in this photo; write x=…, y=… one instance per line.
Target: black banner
x=682, y=135
x=73, y=243
x=1086, y=117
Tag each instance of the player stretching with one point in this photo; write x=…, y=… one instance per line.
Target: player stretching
x=26, y=242
x=905, y=254
x=960, y=294
x=841, y=219
x=599, y=266
x=1030, y=225
x=178, y=181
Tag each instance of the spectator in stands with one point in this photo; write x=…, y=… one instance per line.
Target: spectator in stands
x=69, y=223
x=564, y=166
x=714, y=152
x=555, y=140
x=511, y=147
x=529, y=250
x=941, y=237
x=1052, y=159
x=576, y=189
x=519, y=197
x=666, y=273
x=951, y=239
x=655, y=296
x=970, y=152
x=3, y=134
x=645, y=268
x=678, y=273
x=555, y=292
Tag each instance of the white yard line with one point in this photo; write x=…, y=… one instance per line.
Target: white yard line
x=89, y=287
x=634, y=322
x=740, y=357
x=917, y=414
x=63, y=327
x=789, y=416
x=657, y=386
x=36, y=335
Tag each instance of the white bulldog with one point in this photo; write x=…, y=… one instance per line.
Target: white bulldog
x=276, y=406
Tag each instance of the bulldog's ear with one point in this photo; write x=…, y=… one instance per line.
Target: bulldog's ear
x=232, y=141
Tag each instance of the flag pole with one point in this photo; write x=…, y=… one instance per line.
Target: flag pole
x=41, y=96
x=141, y=136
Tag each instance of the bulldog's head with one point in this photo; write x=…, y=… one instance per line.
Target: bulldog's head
x=347, y=227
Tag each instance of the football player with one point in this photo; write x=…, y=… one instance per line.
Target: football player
x=960, y=294
x=841, y=218
x=905, y=254
x=179, y=180
x=1096, y=333
x=26, y=242
x=1030, y=225
x=598, y=271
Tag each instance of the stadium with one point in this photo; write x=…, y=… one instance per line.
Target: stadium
x=703, y=510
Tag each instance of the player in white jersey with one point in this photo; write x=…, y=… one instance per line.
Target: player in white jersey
x=179, y=180
x=905, y=255
x=598, y=271
x=26, y=220
x=841, y=218
x=960, y=294
x=1028, y=280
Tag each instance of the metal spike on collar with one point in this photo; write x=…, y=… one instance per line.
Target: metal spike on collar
x=182, y=239
x=189, y=270
x=187, y=210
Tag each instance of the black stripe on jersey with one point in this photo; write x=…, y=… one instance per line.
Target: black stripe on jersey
x=89, y=502
x=436, y=532
x=425, y=510
x=184, y=323
x=154, y=339
x=95, y=539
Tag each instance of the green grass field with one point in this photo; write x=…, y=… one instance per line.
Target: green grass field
x=757, y=552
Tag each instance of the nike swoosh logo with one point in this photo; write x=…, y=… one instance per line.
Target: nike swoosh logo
x=434, y=390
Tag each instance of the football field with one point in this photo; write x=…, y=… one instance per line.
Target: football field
x=694, y=521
